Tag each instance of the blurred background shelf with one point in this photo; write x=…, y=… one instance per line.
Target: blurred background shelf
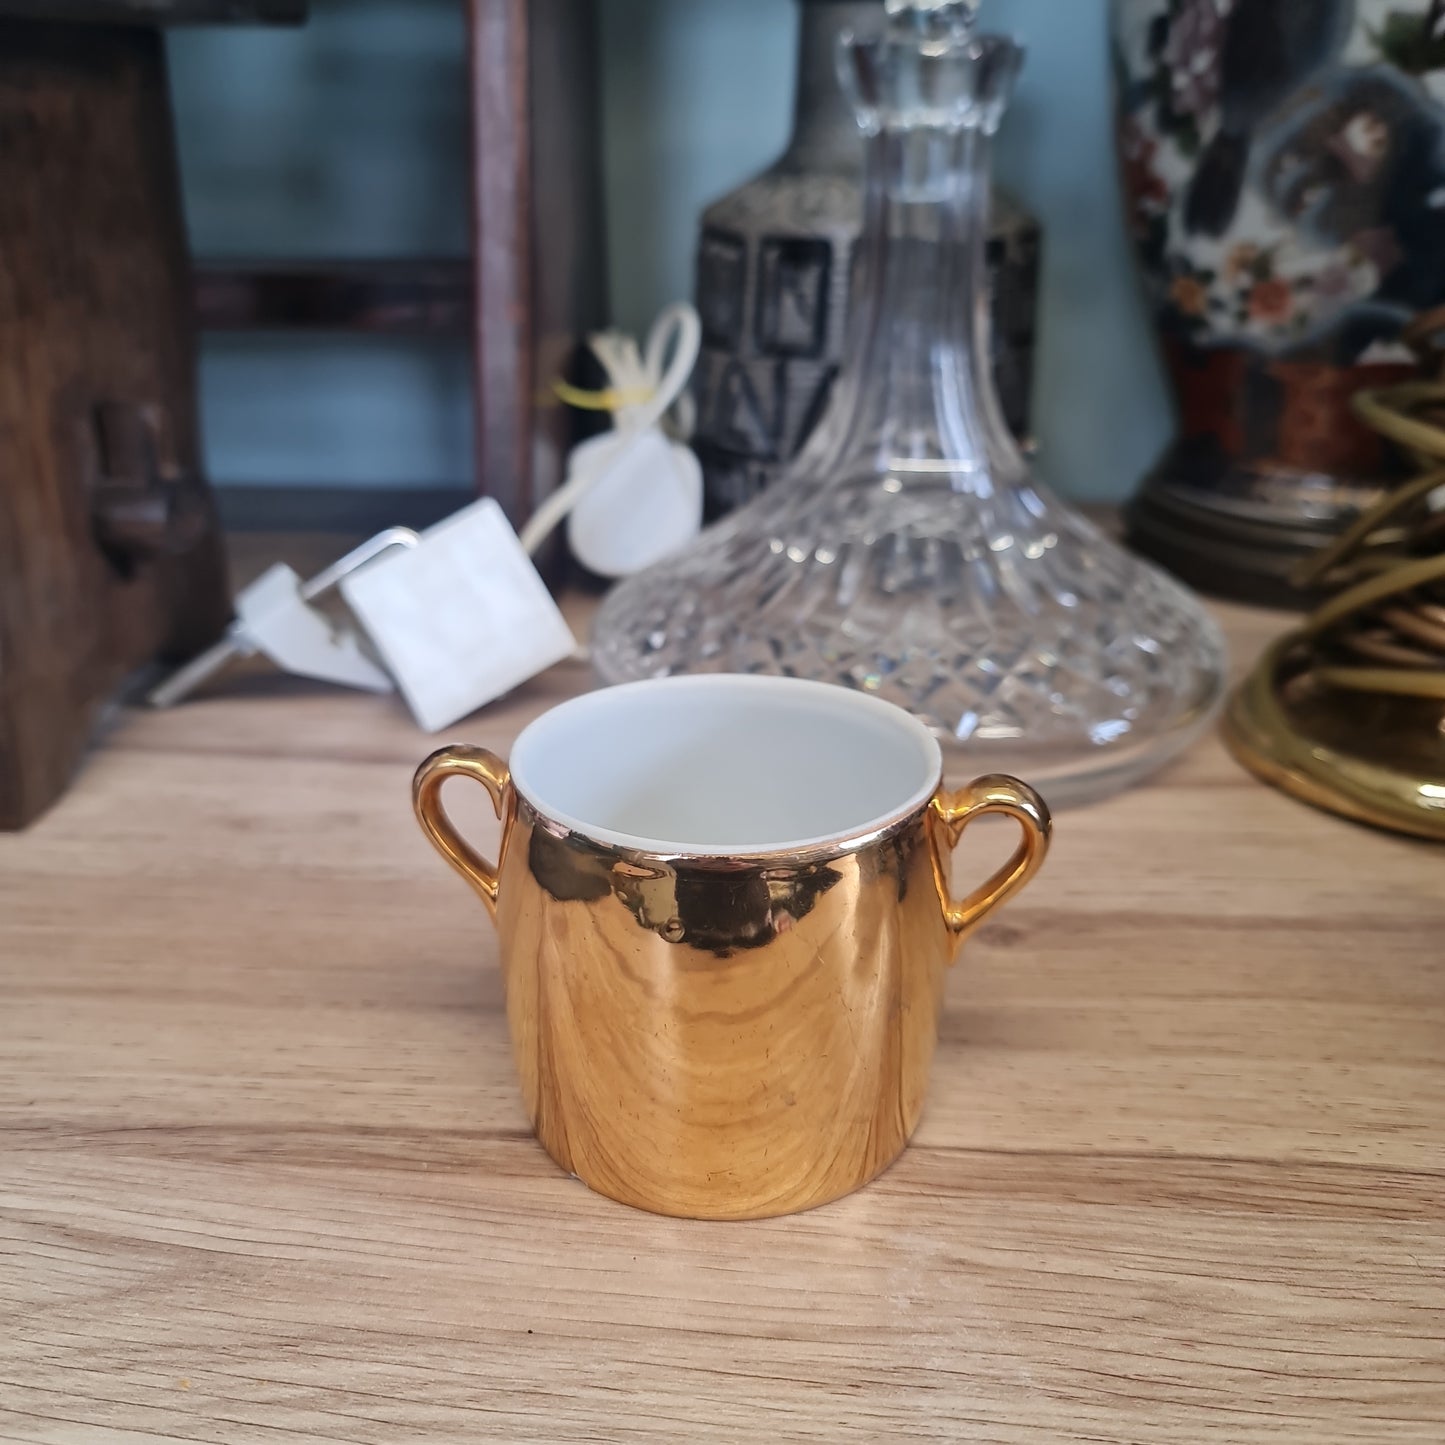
x=406, y=304
x=367, y=185
x=340, y=148
x=401, y=298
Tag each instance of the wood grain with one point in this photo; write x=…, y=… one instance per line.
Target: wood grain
x=109, y=551
x=266, y=1174
x=424, y=297
x=538, y=267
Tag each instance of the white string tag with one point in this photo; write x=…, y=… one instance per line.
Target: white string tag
x=632, y=496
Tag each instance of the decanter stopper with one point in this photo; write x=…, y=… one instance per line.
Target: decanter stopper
x=929, y=69
x=954, y=13
x=934, y=22
x=936, y=17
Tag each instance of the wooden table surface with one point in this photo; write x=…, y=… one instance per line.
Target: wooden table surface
x=264, y=1174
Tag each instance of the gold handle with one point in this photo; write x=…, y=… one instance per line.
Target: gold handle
x=953, y=812
x=484, y=768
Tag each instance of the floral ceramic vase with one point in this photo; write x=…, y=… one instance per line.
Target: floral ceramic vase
x=1284, y=169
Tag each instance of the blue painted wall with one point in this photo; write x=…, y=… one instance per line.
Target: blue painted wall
x=347, y=137
x=1100, y=405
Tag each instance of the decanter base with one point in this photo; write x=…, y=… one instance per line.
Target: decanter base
x=1069, y=779
x=1067, y=774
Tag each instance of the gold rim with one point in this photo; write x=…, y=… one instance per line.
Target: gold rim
x=954, y=811
x=777, y=857
x=481, y=766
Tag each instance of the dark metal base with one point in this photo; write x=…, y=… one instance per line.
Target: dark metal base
x=1241, y=532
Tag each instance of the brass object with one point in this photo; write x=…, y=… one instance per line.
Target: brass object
x=726, y=1036
x=1348, y=711
x=1367, y=762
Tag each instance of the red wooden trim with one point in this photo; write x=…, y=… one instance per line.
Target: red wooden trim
x=402, y=297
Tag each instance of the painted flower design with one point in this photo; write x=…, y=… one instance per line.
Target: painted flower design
x=1270, y=301
x=1190, y=295
x=1379, y=247
x=1144, y=188
x=1414, y=42
x=1243, y=260
x=1326, y=219
x=1141, y=180
x=1334, y=283
x=1191, y=52
x=1361, y=145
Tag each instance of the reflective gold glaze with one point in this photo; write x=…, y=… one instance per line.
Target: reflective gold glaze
x=1376, y=761
x=726, y=1037
x=1348, y=712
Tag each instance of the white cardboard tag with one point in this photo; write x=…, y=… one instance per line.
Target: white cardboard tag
x=460, y=618
x=645, y=504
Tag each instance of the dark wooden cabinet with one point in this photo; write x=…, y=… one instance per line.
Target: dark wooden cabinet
x=109, y=551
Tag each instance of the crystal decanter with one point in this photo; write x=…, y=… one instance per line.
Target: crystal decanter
x=908, y=551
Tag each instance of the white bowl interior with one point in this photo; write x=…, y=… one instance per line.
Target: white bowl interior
x=725, y=764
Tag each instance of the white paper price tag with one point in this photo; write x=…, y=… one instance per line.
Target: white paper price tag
x=460, y=618
x=645, y=504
